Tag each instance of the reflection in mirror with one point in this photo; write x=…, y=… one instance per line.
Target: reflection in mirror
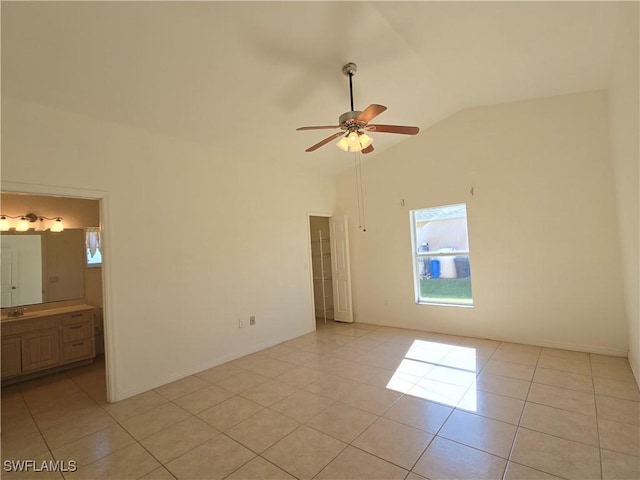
x=40, y=267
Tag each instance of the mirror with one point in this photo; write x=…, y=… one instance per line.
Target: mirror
x=41, y=267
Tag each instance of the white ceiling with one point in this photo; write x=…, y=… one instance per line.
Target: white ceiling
x=220, y=73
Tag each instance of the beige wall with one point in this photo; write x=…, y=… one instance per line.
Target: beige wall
x=624, y=104
x=542, y=224
x=182, y=266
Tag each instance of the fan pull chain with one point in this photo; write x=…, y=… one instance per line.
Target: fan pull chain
x=362, y=223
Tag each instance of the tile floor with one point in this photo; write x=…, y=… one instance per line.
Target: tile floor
x=345, y=402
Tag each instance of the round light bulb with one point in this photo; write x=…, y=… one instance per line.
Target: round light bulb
x=57, y=225
x=4, y=224
x=23, y=225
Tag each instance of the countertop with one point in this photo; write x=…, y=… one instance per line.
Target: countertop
x=31, y=314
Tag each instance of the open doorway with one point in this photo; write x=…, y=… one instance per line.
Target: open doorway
x=321, y=268
x=330, y=269
x=81, y=211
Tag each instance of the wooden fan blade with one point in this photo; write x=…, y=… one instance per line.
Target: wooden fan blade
x=320, y=127
x=370, y=112
x=324, y=142
x=369, y=149
x=393, y=129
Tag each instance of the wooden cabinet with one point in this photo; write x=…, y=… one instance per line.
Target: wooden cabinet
x=46, y=342
x=40, y=349
x=11, y=356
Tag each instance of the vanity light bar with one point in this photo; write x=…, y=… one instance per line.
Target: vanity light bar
x=24, y=223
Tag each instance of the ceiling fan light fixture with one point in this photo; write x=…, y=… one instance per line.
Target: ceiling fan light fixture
x=354, y=142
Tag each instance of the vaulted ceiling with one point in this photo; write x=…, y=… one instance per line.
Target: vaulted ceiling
x=241, y=76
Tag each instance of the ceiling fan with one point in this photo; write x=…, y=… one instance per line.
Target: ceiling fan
x=356, y=123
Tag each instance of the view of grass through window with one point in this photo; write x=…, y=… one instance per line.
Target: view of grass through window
x=442, y=269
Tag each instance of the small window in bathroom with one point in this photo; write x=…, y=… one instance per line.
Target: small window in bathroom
x=93, y=243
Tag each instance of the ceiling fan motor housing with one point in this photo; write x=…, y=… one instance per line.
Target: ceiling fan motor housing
x=347, y=121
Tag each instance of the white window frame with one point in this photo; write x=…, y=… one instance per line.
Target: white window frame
x=416, y=255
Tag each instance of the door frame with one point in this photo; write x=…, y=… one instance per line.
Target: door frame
x=103, y=200
x=310, y=262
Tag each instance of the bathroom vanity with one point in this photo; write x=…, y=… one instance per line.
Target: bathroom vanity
x=46, y=340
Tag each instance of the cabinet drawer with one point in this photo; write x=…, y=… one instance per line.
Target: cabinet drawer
x=72, y=318
x=29, y=325
x=77, y=331
x=77, y=350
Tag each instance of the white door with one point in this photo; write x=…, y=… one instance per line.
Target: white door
x=340, y=272
x=9, y=280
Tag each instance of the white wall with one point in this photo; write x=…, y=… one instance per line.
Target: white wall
x=542, y=224
x=624, y=104
x=195, y=239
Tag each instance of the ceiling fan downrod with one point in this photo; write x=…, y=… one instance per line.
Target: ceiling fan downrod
x=350, y=70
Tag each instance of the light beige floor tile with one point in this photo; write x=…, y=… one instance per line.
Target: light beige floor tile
x=562, y=398
x=268, y=393
x=230, y=412
x=557, y=456
x=560, y=423
x=212, y=460
x=215, y=374
x=64, y=411
x=516, y=356
x=242, y=382
x=498, y=407
x=259, y=468
x=616, y=372
x=95, y=446
x=395, y=442
x=355, y=464
x=509, y=387
x=299, y=357
x=515, y=471
x=414, y=476
x=301, y=376
x=519, y=347
x=302, y=405
x=333, y=387
x=455, y=376
x=509, y=369
x=445, y=460
x=262, y=430
x=432, y=390
x=207, y=397
x=342, y=421
x=617, y=466
x=616, y=388
x=465, y=358
x=158, y=474
x=154, y=420
x=376, y=400
x=479, y=432
x=419, y=413
x=18, y=447
x=249, y=361
x=172, y=442
x=559, y=378
x=563, y=354
x=619, y=437
x=135, y=405
x=414, y=367
x=181, y=387
x=271, y=367
x=304, y=452
x=392, y=380
x=82, y=425
x=35, y=470
x=579, y=365
x=618, y=410
x=131, y=462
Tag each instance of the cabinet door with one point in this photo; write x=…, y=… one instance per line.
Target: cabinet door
x=40, y=349
x=11, y=357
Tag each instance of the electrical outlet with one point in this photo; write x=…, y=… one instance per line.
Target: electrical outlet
x=240, y=323
x=252, y=320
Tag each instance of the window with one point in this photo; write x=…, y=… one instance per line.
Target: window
x=442, y=271
x=93, y=244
